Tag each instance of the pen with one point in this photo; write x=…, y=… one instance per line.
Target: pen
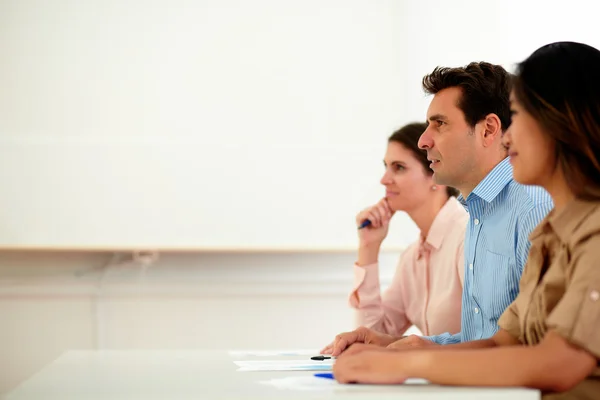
x=321, y=358
x=327, y=376
x=364, y=224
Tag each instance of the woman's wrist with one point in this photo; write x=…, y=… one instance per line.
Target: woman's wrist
x=368, y=254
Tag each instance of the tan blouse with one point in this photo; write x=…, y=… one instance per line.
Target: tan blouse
x=560, y=287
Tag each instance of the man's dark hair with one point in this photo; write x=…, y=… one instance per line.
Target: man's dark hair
x=485, y=90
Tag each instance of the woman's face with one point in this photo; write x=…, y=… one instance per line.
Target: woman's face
x=406, y=182
x=531, y=151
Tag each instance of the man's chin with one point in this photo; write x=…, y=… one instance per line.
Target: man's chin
x=439, y=178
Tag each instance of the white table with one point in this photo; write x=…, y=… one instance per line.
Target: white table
x=207, y=375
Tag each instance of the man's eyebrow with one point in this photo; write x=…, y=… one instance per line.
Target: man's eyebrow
x=437, y=117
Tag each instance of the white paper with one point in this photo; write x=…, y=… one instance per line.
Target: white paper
x=313, y=383
x=416, y=381
x=273, y=353
x=285, y=365
x=303, y=383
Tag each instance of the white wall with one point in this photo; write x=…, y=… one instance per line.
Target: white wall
x=195, y=124
x=52, y=302
x=226, y=123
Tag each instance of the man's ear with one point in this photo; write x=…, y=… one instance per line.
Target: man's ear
x=491, y=130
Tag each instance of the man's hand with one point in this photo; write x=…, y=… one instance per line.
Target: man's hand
x=375, y=367
x=361, y=347
x=360, y=335
x=411, y=342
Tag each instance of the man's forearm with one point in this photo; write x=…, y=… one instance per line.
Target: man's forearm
x=445, y=338
x=501, y=338
x=473, y=344
x=411, y=346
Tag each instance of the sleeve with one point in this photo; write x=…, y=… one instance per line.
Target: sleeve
x=576, y=317
x=366, y=285
x=510, y=318
x=385, y=313
x=524, y=228
x=509, y=321
x=445, y=338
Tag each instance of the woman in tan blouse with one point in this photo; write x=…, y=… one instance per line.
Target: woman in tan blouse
x=549, y=337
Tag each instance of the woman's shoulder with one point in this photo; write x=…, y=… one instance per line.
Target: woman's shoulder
x=585, y=230
x=449, y=227
x=457, y=218
x=591, y=223
x=410, y=252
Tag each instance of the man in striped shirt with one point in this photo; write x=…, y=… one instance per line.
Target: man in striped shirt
x=467, y=117
x=468, y=114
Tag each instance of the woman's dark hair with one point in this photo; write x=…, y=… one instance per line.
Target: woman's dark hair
x=408, y=136
x=558, y=85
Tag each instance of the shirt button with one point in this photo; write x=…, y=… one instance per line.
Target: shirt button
x=476, y=310
x=594, y=295
x=476, y=221
x=470, y=266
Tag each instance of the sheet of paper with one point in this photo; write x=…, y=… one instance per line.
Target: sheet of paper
x=308, y=383
x=303, y=383
x=273, y=353
x=284, y=365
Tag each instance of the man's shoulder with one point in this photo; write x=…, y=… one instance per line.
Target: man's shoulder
x=526, y=199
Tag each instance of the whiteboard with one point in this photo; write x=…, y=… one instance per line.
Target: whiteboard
x=222, y=124
x=180, y=195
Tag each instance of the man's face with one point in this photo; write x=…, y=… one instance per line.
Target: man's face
x=449, y=140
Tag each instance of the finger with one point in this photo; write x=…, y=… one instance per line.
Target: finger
x=361, y=216
x=337, y=370
x=384, y=207
x=343, y=370
x=394, y=346
x=354, y=348
x=339, y=346
x=367, y=216
x=358, y=348
x=327, y=349
x=365, y=335
x=381, y=212
x=374, y=217
x=387, y=206
x=361, y=334
x=340, y=370
x=384, y=213
x=342, y=341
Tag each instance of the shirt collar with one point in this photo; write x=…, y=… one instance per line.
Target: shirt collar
x=496, y=180
x=565, y=222
x=444, y=218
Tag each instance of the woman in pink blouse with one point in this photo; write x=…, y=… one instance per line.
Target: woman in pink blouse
x=427, y=287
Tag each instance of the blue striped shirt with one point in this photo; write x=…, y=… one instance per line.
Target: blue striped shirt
x=502, y=214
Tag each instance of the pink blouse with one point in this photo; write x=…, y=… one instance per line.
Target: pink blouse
x=426, y=289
